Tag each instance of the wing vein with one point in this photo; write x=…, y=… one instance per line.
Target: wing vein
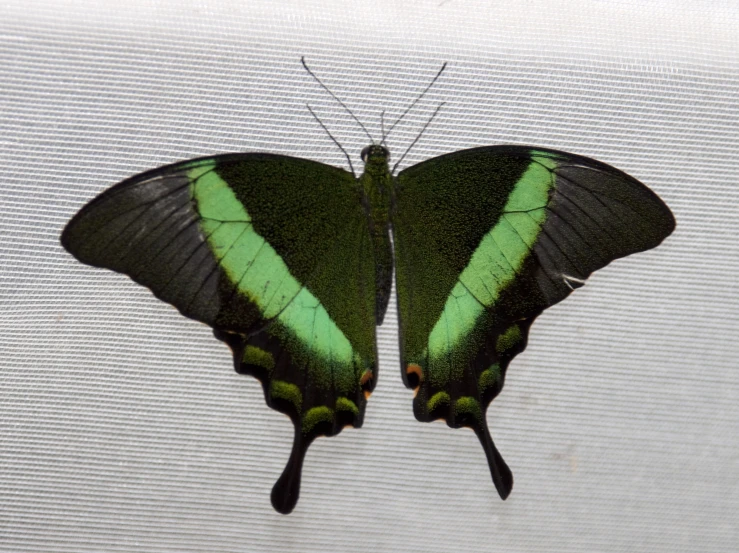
x=183, y=264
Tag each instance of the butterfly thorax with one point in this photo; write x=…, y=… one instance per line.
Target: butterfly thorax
x=376, y=185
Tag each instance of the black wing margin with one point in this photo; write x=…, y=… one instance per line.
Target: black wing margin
x=596, y=214
x=147, y=228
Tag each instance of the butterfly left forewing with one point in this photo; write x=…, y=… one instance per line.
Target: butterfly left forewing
x=488, y=238
x=274, y=253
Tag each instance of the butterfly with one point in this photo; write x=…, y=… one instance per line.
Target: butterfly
x=290, y=261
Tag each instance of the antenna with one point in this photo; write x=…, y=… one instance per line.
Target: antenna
x=332, y=138
x=418, y=137
x=418, y=99
x=342, y=104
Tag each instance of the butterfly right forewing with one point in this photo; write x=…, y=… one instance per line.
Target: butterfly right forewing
x=488, y=238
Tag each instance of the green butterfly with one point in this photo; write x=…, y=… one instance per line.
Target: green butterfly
x=290, y=261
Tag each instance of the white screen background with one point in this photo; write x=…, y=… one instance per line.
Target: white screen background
x=123, y=426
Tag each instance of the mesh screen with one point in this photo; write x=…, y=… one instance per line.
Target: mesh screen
x=123, y=426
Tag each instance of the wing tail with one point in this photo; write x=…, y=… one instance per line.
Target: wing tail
x=502, y=475
x=286, y=491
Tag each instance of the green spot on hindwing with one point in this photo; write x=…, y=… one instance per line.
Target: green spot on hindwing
x=508, y=339
x=467, y=407
x=437, y=400
x=259, y=357
x=317, y=415
x=489, y=377
x=279, y=389
x=345, y=404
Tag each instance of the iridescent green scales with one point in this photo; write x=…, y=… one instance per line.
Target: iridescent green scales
x=489, y=377
x=261, y=275
x=493, y=266
x=257, y=356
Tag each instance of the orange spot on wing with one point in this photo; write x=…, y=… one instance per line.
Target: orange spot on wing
x=414, y=368
x=365, y=382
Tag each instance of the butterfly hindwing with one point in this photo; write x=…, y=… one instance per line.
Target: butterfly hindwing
x=274, y=253
x=485, y=240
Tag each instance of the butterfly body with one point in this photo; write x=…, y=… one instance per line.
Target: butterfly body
x=377, y=188
x=290, y=261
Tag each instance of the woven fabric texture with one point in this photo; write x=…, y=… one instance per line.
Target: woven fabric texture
x=123, y=426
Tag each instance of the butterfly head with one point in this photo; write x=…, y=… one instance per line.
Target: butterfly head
x=375, y=154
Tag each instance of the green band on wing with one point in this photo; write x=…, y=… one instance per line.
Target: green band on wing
x=495, y=263
x=260, y=274
x=547, y=159
x=214, y=198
